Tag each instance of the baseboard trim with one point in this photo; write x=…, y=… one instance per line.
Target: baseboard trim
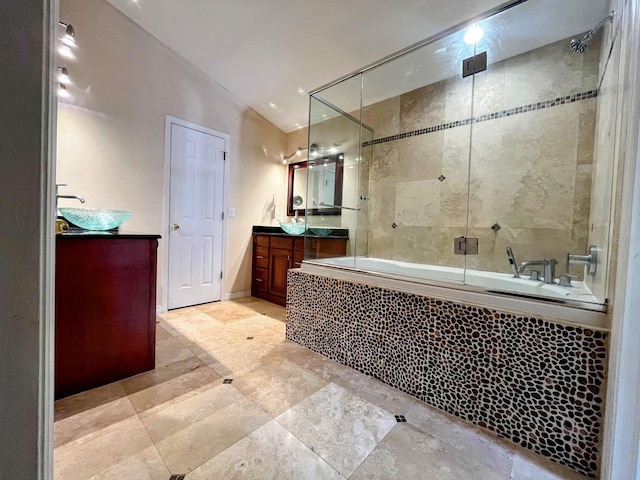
x=233, y=295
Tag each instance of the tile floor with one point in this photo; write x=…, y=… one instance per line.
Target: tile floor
x=231, y=398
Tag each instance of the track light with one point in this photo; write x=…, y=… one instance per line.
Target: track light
x=63, y=92
x=69, y=37
x=63, y=76
x=297, y=152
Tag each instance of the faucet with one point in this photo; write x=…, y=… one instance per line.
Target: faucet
x=549, y=268
x=77, y=197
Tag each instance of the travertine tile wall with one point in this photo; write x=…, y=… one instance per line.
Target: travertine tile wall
x=530, y=172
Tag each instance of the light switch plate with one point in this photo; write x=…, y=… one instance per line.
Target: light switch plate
x=232, y=212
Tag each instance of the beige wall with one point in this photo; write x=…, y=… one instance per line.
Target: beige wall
x=111, y=135
x=530, y=173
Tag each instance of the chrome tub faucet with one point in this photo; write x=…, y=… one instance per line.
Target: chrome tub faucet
x=549, y=268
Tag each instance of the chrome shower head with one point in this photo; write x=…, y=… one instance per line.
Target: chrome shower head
x=578, y=46
x=581, y=46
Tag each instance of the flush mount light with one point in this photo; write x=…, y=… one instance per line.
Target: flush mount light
x=63, y=92
x=69, y=36
x=473, y=35
x=63, y=76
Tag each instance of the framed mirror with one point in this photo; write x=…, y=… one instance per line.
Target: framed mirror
x=321, y=180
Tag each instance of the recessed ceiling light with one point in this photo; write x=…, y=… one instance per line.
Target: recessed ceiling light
x=473, y=35
x=273, y=105
x=301, y=91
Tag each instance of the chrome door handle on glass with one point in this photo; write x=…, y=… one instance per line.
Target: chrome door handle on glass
x=175, y=226
x=590, y=261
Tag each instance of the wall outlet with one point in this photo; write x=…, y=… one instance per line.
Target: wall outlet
x=232, y=212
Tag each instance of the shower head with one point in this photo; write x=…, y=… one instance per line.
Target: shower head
x=580, y=46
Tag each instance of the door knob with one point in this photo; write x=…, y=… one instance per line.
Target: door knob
x=175, y=226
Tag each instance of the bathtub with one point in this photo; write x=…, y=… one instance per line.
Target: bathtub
x=575, y=304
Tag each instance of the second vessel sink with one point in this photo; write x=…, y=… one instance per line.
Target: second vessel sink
x=95, y=218
x=293, y=228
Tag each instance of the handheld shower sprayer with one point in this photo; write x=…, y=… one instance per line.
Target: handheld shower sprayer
x=580, y=46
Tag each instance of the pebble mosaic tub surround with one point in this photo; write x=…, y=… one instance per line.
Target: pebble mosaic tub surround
x=538, y=383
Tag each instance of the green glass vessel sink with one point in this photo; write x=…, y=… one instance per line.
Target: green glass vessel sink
x=95, y=218
x=293, y=228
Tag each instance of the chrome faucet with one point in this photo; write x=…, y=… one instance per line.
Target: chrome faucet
x=549, y=268
x=58, y=196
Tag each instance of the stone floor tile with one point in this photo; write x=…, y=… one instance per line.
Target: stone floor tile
x=90, y=414
x=160, y=386
x=186, y=436
x=128, y=444
x=171, y=350
x=529, y=466
x=406, y=452
x=279, y=385
x=320, y=365
x=339, y=426
x=270, y=452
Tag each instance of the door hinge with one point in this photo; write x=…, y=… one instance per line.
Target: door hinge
x=224, y=155
x=222, y=215
x=220, y=275
x=465, y=246
x=475, y=64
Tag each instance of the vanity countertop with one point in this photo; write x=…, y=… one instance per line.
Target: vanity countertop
x=277, y=231
x=111, y=234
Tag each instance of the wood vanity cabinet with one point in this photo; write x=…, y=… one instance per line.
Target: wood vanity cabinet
x=274, y=255
x=105, y=309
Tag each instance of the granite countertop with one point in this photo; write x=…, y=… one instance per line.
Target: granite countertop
x=81, y=233
x=341, y=233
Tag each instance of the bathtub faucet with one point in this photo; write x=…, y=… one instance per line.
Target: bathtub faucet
x=549, y=268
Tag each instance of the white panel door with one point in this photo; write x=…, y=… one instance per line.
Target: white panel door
x=195, y=217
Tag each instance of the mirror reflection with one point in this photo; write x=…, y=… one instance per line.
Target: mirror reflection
x=315, y=187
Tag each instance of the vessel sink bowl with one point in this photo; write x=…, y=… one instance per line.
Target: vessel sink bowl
x=321, y=231
x=95, y=218
x=293, y=228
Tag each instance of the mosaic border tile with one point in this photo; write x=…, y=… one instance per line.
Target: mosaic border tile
x=538, y=383
x=490, y=116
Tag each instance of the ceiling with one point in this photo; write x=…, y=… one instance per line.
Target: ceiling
x=270, y=53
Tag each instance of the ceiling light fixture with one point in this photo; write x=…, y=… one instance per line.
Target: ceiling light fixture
x=69, y=37
x=301, y=91
x=273, y=105
x=298, y=152
x=473, y=34
x=63, y=76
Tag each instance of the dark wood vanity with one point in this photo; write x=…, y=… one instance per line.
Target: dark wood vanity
x=105, y=308
x=275, y=252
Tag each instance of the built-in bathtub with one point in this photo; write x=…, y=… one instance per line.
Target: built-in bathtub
x=533, y=371
x=574, y=304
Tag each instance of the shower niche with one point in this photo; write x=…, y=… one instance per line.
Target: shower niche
x=518, y=154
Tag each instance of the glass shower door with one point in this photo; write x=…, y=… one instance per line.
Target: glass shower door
x=418, y=107
x=532, y=150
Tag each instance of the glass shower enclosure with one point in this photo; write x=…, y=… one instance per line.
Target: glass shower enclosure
x=479, y=157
